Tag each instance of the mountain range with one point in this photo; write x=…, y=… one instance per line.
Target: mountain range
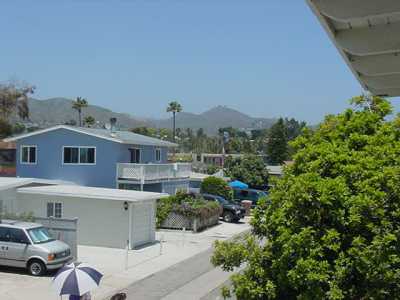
x=56, y=111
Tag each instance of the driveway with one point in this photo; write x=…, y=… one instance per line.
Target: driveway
x=122, y=269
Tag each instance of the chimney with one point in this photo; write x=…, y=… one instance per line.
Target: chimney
x=113, y=123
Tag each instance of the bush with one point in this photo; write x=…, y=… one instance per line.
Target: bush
x=216, y=186
x=249, y=169
x=26, y=217
x=331, y=229
x=5, y=129
x=212, y=169
x=187, y=205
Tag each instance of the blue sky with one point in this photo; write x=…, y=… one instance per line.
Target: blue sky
x=266, y=58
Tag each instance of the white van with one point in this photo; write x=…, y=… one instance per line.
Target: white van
x=29, y=245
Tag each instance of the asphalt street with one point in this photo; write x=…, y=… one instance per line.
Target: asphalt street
x=194, y=278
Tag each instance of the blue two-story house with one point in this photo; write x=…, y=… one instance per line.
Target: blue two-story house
x=100, y=158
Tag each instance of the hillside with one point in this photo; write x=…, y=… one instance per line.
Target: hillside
x=217, y=117
x=59, y=110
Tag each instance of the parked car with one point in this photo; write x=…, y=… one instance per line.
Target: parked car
x=29, y=245
x=252, y=195
x=231, y=212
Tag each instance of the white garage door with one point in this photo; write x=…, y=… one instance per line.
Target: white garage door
x=142, y=223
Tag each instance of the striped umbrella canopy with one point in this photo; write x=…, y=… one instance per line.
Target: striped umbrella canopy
x=76, y=279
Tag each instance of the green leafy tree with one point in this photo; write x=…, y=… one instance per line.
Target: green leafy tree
x=6, y=129
x=175, y=108
x=249, y=169
x=18, y=128
x=294, y=128
x=89, y=121
x=331, y=226
x=216, y=186
x=79, y=104
x=277, y=147
x=14, y=99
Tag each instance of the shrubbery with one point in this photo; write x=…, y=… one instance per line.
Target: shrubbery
x=187, y=205
x=249, y=169
x=26, y=217
x=216, y=186
x=331, y=229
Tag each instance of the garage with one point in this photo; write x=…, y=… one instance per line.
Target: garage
x=106, y=217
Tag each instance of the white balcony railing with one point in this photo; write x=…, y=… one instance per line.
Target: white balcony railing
x=153, y=172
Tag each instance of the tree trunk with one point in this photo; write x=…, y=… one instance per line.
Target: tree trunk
x=173, y=130
x=80, y=118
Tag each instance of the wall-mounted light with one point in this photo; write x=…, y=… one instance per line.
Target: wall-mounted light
x=126, y=205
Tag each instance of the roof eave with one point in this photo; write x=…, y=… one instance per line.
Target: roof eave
x=328, y=29
x=23, y=136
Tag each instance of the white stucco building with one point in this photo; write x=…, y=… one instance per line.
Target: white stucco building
x=106, y=217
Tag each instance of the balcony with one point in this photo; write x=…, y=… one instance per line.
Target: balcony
x=147, y=173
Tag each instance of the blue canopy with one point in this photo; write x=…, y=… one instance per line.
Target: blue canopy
x=238, y=185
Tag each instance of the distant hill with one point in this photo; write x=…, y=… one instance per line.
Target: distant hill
x=56, y=111
x=216, y=117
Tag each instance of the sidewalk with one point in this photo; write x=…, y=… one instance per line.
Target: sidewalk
x=177, y=247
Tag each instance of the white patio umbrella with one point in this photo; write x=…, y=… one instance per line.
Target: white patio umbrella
x=76, y=279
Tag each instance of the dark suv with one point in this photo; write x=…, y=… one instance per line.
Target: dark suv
x=248, y=194
x=231, y=212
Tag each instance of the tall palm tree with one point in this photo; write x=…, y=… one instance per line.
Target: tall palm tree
x=174, y=107
x=78, y=105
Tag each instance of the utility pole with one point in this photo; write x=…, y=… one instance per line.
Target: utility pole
x=225, y=139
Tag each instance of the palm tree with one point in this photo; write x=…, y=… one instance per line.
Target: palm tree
x=89, y=121
x=174, y=107
x=78, y=104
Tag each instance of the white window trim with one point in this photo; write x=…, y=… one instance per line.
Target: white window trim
x=54, y=209
x=79, y=156
x=155, y=154
x=20, y=155
x=140, y=154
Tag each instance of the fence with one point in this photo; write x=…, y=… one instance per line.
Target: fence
x=143, y=172
x=179, y=221
x=65, y=230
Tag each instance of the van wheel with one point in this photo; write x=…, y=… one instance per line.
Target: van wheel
x=227, y=217
x=36, y=267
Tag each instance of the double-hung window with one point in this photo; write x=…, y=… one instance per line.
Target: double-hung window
x=28, y=154
x=135, y=155
x=79, y=155
x=54, y=209
x=158, y=154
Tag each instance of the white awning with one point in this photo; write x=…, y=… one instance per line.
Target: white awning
x=367, y=35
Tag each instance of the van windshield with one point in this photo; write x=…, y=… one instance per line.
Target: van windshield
x=40, y=235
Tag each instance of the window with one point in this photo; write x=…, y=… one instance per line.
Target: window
x=28, y=154
x=4, y=234
x=79, y=155
x=135, y=155
x=40, y=235
x=86, y=155
x=18, y=236
x=54, y=209
x=158, y=155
